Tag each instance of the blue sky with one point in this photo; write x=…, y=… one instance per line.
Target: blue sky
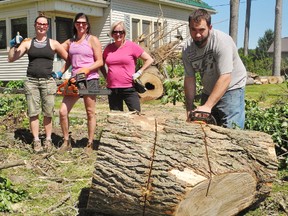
x=262, y=18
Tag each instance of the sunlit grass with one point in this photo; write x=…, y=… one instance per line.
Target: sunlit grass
x=267, y=94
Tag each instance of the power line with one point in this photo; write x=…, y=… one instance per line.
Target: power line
x=223, y=5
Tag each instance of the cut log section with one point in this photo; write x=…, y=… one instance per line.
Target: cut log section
x=272, y=79
x=152, y=81
x=177, y=168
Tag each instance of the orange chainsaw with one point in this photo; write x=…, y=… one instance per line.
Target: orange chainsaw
x=77, y=86
x=202, y=117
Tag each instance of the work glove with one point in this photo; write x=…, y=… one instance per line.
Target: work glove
x=57, y=75
x=137, y=75
x=16, y=41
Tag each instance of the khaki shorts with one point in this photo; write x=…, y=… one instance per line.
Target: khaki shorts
x=40, y=94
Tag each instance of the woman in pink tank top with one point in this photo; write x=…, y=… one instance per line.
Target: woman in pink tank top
x=85, y=54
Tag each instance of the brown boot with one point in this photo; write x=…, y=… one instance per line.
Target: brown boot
x=66, y=146
x=37, y=146
x=89, y=148
x=48, y=145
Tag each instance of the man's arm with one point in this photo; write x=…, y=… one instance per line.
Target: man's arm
x=218, y=91
x=190, y=91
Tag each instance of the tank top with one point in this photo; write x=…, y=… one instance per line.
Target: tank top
x=82, y=56
x=40, y=60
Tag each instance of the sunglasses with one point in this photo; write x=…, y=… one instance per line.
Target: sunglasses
x=79, y=23
x=42, y=24
x=118, y=32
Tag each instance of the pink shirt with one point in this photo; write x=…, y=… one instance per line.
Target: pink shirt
x=121, y=64
x=82, y=55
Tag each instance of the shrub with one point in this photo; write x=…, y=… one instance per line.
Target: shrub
x=9, y=195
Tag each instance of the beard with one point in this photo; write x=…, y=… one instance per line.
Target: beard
x=202, y=42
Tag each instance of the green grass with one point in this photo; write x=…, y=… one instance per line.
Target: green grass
x=267, y=94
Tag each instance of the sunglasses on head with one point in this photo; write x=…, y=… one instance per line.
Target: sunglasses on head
x=118, y=32
x=79, y=23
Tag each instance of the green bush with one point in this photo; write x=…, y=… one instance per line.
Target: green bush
x=9, y=195
x=12, y=103
x=15, y=84
x=273, y=121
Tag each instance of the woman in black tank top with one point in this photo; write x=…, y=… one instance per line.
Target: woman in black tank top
x=40, y=87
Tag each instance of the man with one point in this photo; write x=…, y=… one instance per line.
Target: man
x=215, y=55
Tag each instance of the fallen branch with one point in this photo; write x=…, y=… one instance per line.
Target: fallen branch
x=13, y=164
x=64, y=199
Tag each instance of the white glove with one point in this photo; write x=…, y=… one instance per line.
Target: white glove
x=137, y=75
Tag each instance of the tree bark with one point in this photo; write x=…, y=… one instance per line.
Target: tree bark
x=145, y=167
x=234, y=17
x=247, y=27
x=277, y=39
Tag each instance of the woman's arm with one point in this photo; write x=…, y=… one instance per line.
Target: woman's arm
x=16, y=53
x=97, y=50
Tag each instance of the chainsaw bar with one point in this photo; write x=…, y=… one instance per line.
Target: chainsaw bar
x=202, y=117
x=82, y=92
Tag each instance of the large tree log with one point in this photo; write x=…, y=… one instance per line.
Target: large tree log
x=149, y=168
x=152, y=80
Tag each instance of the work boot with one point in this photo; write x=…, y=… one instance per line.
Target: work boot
x=66, y=146
x=89, y=148
x=37, y=147
x=48, y=145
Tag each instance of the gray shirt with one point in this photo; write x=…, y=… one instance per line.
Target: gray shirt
x=219, y=56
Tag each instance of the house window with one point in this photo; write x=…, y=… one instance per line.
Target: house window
x=2, y=34
x=19, y=25
x=158, y=32
x=135, y=29
x=64, y=28
x=152, y=31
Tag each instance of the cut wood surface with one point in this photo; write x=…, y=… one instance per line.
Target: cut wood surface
x=153, y=82
x=146, y=167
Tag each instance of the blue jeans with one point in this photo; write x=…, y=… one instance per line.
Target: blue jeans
x=229, y=112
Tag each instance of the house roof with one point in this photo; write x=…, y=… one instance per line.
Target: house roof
x=186, y=4
x=197, y=3
x=284, y=46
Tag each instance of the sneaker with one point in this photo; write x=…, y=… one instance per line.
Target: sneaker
x=37, y=147
x=66, y=146
x=89, y=148
x=48, y=145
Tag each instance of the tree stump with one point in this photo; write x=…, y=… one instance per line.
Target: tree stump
x=149, y=168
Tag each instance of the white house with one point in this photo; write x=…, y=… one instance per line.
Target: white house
x=140, y=16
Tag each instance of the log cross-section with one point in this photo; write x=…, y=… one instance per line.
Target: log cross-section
x=145, y=168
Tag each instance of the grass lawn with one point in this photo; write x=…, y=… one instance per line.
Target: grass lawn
x=267, y=94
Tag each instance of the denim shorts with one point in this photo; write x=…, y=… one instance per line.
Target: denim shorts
x=230, y=110
x=40, y=94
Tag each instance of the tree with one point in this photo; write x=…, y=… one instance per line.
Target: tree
x=277, y=39
x=234, y=15
x=264, y=43
x=247, y=27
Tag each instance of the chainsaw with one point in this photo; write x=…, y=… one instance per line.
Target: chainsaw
x=202, y=117
x=77, y=86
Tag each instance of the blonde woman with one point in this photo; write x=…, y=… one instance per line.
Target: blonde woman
x=121, y=57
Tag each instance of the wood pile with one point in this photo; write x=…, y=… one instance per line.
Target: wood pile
x=259, y=80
